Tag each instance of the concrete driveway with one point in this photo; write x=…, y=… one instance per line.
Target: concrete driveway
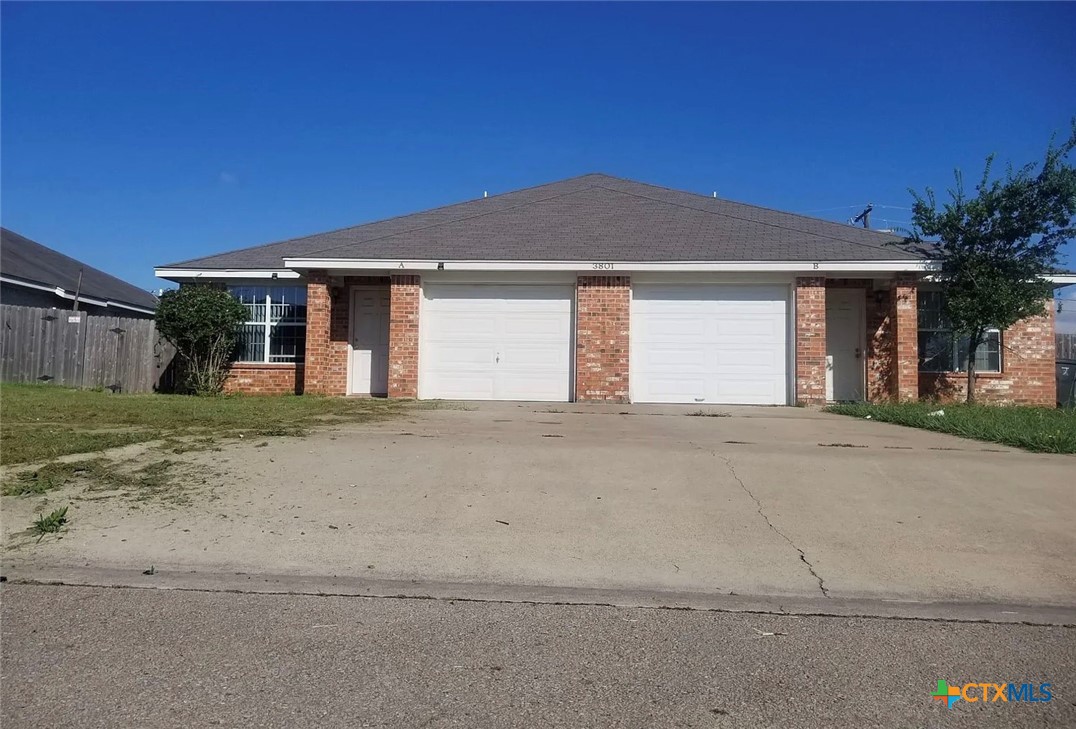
x=740, y=501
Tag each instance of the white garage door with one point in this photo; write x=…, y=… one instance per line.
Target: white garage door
x=709, y=343
x=496, y=342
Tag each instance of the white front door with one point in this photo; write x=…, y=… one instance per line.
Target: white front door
x=710, y=343
x=496, y=342
x=369, y=340
x=845, y=333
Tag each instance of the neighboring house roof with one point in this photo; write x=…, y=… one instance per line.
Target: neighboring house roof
x=28, y=263
x=587, y=218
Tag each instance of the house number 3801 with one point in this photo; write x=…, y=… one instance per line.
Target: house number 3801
x=602, y=266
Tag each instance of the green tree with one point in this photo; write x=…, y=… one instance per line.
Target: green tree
x=994, y=247
x=202, y=321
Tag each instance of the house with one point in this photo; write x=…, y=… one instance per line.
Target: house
x=34, y=275
x=600, y=288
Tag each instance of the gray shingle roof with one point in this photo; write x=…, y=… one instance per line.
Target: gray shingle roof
x=587, y=218
x=32, y=262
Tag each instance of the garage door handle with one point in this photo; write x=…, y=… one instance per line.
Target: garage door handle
x=497, y=358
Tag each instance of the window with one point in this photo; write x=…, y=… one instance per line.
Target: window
x=942, y=350
x=276, y=326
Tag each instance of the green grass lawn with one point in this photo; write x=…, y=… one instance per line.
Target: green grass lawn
x=41, y=422
x=1043, y=430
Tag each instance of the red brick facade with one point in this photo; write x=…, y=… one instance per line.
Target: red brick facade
x=603, y=346
x=603, y=310
x=1027, y=377
x=811, y=340
x=405, y=291
x=904, y=320
x=323, y=371
x=265, y=379
x=881, y=348
x=328, y=311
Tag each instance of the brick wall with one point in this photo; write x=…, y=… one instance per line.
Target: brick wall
x=1028, y=375
x=321, y=364
x=603, y=305
x=904, y=320
x=811, y=340
x=265, y=379
x=328, y=312
x=405, y=291
x=881, y=349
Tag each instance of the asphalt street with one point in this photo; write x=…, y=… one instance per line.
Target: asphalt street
x=96, y=657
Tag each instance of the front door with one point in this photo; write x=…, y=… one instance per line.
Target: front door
x=369, y=341
x=845, y=331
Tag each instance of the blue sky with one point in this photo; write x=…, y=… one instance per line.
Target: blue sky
x=137, y=134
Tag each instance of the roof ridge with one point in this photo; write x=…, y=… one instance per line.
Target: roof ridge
x=748, y=220
x=388, y=220
x=457, y=220
x=745, y=204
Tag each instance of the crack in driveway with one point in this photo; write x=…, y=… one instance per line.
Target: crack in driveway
x=775, y=530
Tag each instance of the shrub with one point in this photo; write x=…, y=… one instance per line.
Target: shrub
x=202, y=321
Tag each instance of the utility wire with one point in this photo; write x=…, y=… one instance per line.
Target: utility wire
x=849, y=207
x=826, y=210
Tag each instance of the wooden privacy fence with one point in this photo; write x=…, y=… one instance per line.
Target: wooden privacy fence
x=1066, y=347
x=74, y=349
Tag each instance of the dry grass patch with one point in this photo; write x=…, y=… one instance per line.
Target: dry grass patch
x=43, y=422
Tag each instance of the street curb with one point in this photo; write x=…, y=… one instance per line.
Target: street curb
x=335, y=586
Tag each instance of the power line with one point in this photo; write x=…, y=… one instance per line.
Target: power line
x=826, y=210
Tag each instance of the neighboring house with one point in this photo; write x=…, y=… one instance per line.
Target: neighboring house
x=599, y=288
x=34, y=275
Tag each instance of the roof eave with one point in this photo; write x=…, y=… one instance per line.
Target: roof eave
x=350, y=264
x=71, y=296
x=189, y=275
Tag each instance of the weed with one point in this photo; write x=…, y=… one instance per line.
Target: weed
x=53, y=476
x=50, y=524
x=707, y=414
x=189, y=445
x=154, y=479
x=295, y=431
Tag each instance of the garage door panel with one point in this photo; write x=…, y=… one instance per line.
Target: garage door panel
x=496, y=342
x=469, y=325
x=674, y=328
x=532, y=358
x=747, y=326
x=747, y=393
x=678, y=389
x=714, y=343
x=660, y=357
x=470, y=355
x=465, y=386
x=745, y=359
x=531, y=326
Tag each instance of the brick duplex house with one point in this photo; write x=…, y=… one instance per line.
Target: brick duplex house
x=604, y=289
